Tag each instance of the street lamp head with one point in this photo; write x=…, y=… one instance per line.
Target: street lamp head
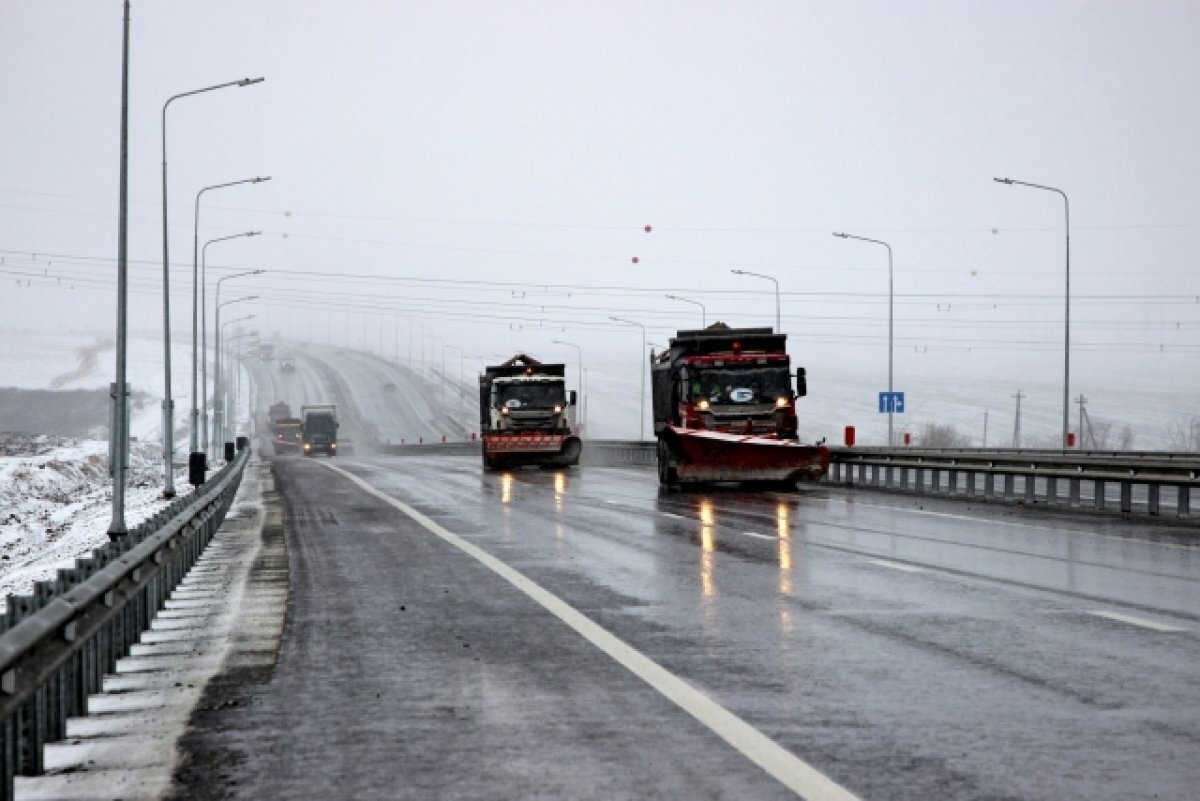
x=248, y=81
x=1003, y=181
x=738, y=272
x=253, y=233
x=261, y=178
x=843, y=236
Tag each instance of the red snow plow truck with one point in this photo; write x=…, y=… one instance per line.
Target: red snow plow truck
x=526, y=415
x=725, y=410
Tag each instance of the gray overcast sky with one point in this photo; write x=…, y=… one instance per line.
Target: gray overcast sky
x=532, y=141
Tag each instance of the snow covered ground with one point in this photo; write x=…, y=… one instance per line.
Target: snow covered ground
x=56, y=498
x=55, y=492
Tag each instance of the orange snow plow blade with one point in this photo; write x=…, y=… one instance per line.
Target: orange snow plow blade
x=703, y=456
x=531, y=448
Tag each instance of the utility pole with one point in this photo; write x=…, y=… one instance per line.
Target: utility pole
x=119, y=434
x=985, y=422
x=1017, y=424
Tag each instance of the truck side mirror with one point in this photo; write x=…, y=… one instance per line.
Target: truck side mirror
x=801, y=382
x=572, y=397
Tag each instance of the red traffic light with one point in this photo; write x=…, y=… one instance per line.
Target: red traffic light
x=635, y=259
x=647, y=229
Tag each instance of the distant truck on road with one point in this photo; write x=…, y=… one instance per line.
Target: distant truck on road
x=276, y=412
x=319, y=425
x=287, y=364
x=286, y=435
x=526, y=415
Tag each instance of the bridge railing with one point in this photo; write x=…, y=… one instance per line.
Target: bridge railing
x=1130, y=482
x=1134, y=482
x=58, y=643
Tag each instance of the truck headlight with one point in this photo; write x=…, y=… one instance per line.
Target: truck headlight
x=504, y=411
x=702, y=405
x=558, y=409
x=781, y=402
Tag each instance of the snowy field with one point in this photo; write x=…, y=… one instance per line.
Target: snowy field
x=55, y=492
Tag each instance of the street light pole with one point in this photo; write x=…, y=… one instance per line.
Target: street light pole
x=237, y=376
x=218, y=409
x=218, y=414
x=891, y=350
x=642, y=410
x=582, y=390
x=778, y=327
x=222, y=368
x=119, y=436
x=703, y=312
x=203, y=314
x=204, y=348
x=1067, y=305
x=168, y=404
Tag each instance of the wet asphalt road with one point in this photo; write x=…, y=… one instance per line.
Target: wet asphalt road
x=907, y=649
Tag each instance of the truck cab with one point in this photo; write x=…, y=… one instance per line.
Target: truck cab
x=738, y=393
x=533, y=402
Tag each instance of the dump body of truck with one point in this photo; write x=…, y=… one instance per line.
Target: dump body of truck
x=526, y=415
x=725, y=409
x=276, y=412
x=319, y=425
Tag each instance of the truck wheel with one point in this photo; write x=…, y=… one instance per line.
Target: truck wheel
x=667, y=475
x=572, y=448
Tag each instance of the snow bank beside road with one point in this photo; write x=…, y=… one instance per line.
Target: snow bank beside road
x=56, y=502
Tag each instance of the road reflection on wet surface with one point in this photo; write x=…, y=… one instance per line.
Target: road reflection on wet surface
x=913, y=649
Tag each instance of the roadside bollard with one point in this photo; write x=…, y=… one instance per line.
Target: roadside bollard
x=196, y=468
x=229, y=454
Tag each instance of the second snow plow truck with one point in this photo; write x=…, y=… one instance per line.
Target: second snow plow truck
x=526, y=415
x=724, y=410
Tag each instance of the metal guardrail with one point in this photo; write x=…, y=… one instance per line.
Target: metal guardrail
x=1129, y=483
x=58, y=643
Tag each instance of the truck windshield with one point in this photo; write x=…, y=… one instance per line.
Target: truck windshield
x=741, y=385
x=531, y=395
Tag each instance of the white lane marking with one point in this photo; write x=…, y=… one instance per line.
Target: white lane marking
x=672, y=515
x=759, y=536
x=791, y=771
x=896, y=565
x=1135, y=621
